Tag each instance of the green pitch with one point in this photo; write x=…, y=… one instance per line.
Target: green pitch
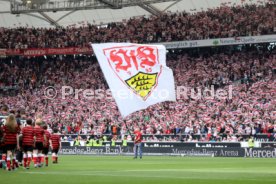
x=149, y=170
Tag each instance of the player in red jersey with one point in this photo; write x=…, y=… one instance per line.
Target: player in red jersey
x=55, y=144
x=137, y=143
x=46, y=145
x=39, y=141
x=27, y=143
x=11, y=141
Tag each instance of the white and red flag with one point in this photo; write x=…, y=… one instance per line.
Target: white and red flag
x=137, y=74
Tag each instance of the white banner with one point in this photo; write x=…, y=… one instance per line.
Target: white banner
x=220, y=42
x=136, y=74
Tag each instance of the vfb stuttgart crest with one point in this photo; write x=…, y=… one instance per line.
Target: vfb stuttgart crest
x=136, y=66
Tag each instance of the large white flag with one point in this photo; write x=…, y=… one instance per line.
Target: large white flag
x=137, y=75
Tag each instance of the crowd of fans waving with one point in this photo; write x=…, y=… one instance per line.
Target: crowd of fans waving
x=251, y=110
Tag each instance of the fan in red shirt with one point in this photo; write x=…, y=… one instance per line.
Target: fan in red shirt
x=39, y=141
x=55, y=144
x=137, y=143
x=11, y=141
x=46, y=145
x=27, y=143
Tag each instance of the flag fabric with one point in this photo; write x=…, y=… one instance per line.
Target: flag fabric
x=137, y=74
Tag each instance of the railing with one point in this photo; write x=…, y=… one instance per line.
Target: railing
x=179, y=137
x=46, y=5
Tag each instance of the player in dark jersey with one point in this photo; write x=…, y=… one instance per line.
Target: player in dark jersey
x=39, y=141
x=27, y=143
x=46, y=145
x=11, y=141
x=55, y=144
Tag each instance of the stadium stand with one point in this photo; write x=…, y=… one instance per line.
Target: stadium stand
x=250, y=70
x=221, y=22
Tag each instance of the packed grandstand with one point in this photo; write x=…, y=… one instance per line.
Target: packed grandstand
x=220, y=22
x=249, y=70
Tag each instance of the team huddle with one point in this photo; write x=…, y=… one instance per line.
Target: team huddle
x=33, y=140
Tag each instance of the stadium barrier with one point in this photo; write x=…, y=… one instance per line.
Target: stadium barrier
x=165, y=151
x=32, y=52
x=220, y=42
x=171, y=144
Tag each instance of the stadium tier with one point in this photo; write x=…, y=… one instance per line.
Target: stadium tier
x=221, y=22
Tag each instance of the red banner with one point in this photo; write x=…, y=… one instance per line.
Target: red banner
x=45, y=51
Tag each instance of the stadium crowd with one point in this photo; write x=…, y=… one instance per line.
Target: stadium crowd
x=221, y=22
x=250, y=71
